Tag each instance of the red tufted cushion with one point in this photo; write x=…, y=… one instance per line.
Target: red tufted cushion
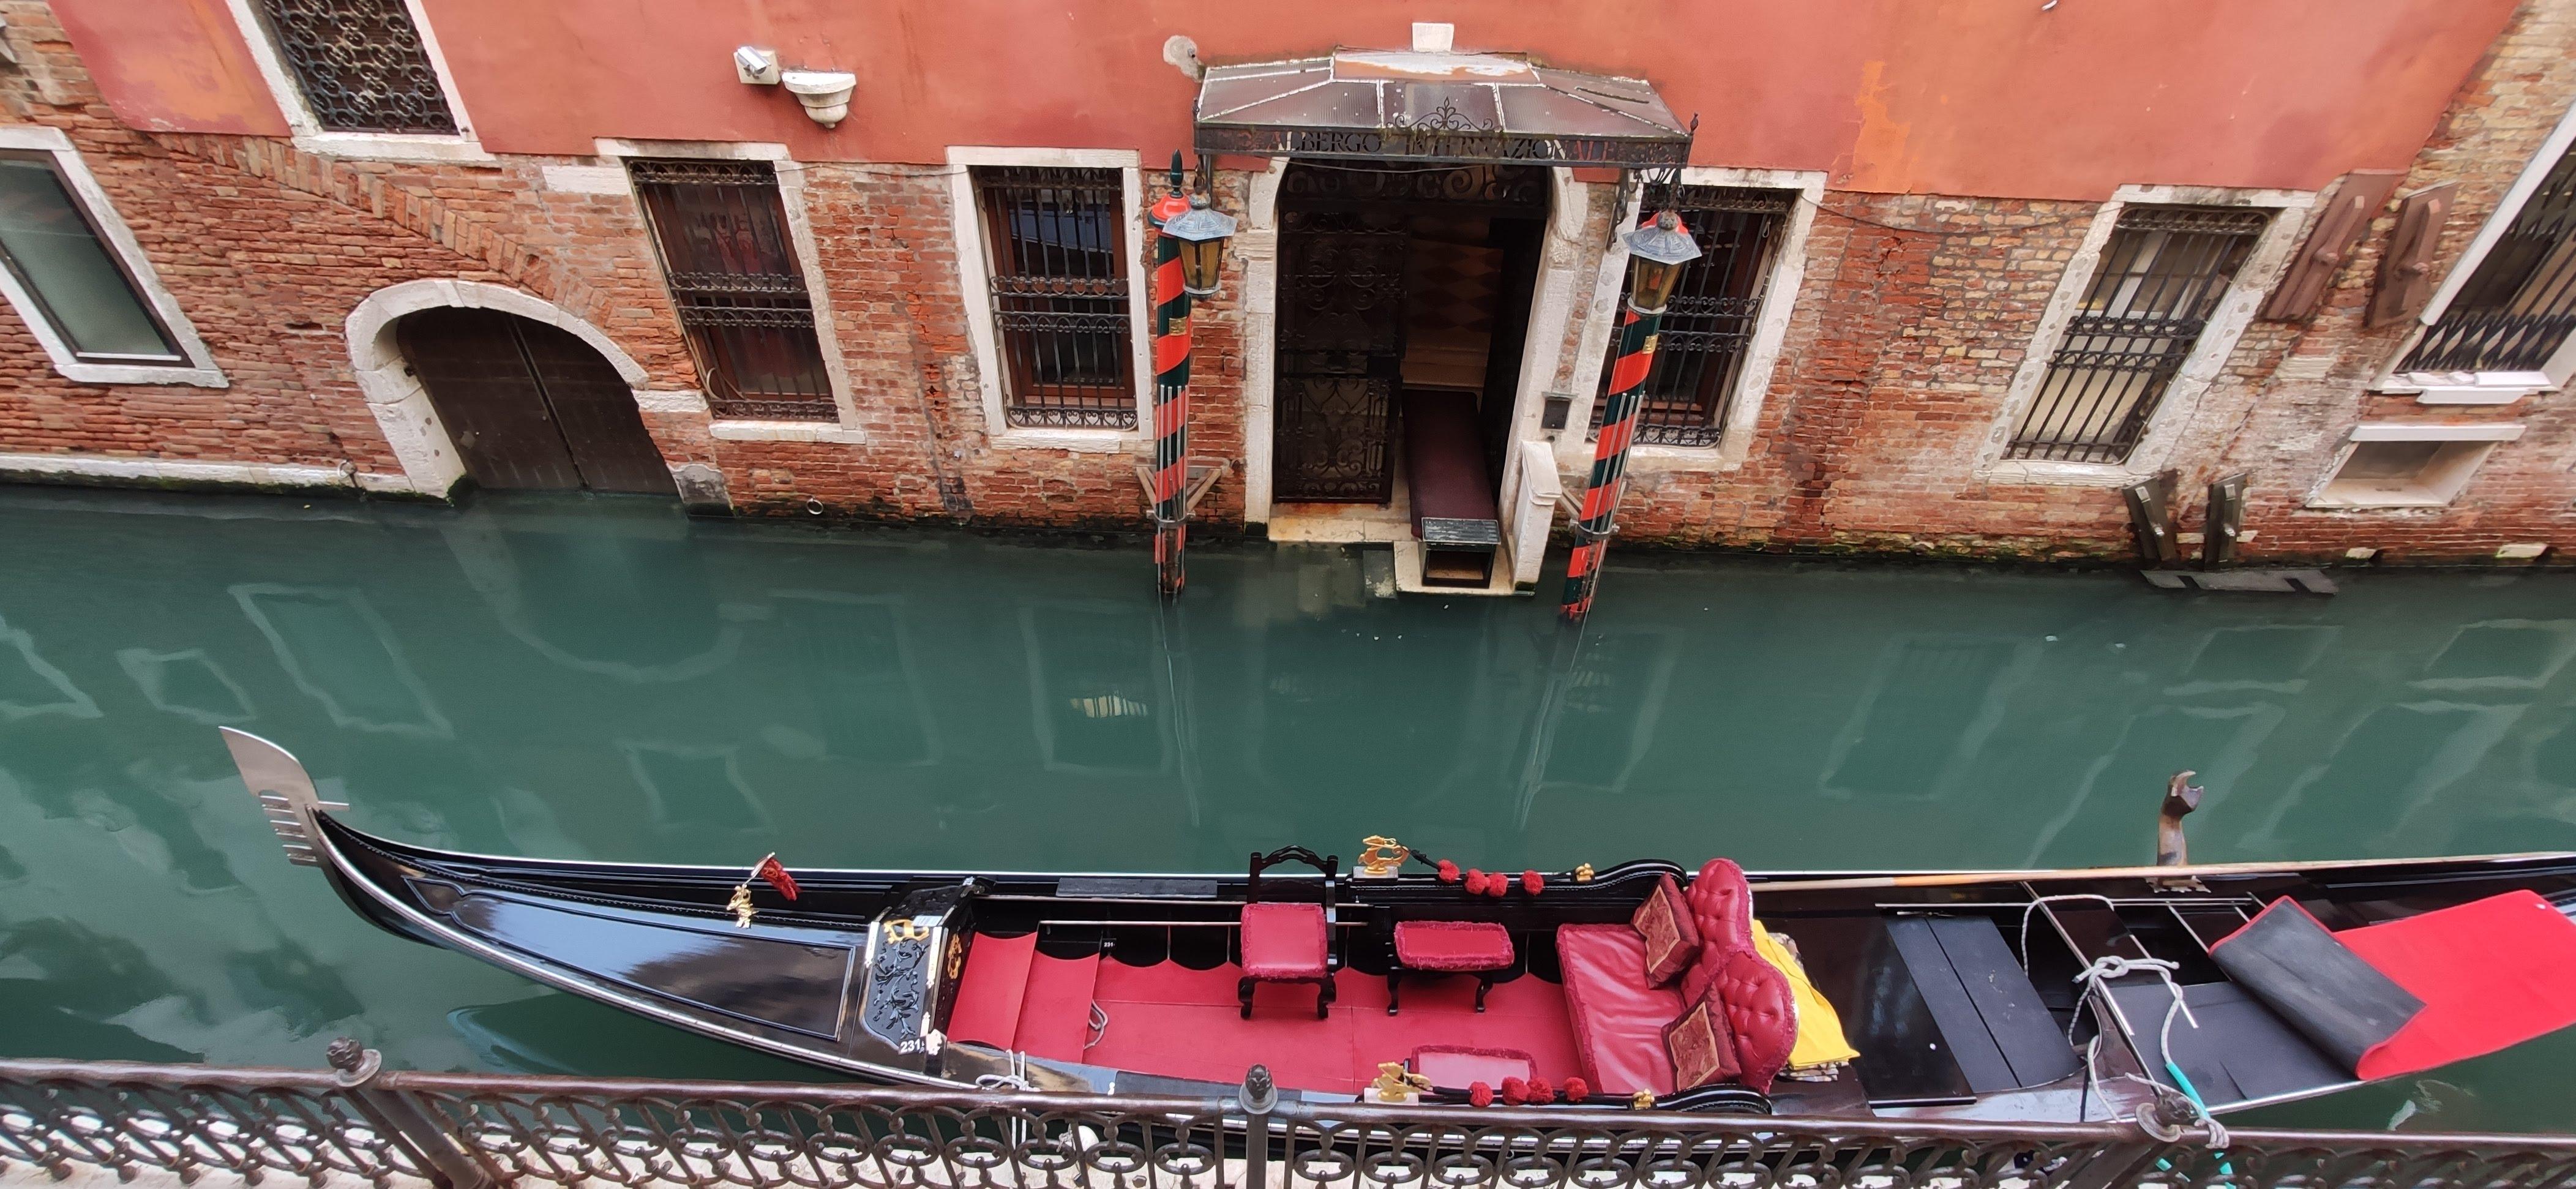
x=1452, y=945
x=1721, y=905
x=1664, y=924
x=1282, y=941
x=1702, y=1052
x=1618, y=1019
x=1760, y=1012
x=1703, y=971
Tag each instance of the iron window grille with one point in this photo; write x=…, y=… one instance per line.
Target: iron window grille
x=360, y=65
x=2517, y=309
x=2162, y=276
x=81, y=285
x=721, y=230
x=1708, y=327
x=1058, y=268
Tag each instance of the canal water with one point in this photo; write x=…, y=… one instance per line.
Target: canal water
x=597, y=678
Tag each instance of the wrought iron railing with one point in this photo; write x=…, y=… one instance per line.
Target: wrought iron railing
x=464, y=1131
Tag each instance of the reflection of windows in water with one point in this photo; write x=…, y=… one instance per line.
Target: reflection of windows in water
x=693, y=787
x=1929, y=695
x=860, y=677
x=30, y=685
x=2390, y=759
x=338, y=650
x=187, y=684
x=287, y=980
x=2504, y=653
x=1098, y=685
x=1607, y=719
x=2272, y=656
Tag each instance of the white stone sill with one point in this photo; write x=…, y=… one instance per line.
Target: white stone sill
x=786, y=431
x=2468, y=388
x=1080, y=441
x=2063, y=474
x=400, y=147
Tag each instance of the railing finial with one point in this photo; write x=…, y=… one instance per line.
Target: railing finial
x=1260, y=1094
x=357, y=1064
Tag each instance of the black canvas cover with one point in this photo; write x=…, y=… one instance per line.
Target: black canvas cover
x=2294, y=965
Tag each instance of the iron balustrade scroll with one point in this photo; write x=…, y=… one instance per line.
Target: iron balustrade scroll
x=466, y=1131
x=1708, y=326
x=1061, y=318
x=360, y=65
x=2160, y=280
x=720, y=228
x=2518, y=308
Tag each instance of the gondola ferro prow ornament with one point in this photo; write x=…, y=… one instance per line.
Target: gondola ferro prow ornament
x=2173, y=848
x=285, y=792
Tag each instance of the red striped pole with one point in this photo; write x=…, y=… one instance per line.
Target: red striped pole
x=1610, y=460
x=1171, y=394
x=1658, y=252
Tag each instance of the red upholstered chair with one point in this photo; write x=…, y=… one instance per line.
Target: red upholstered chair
x=1721, y=905
x=1289, y=941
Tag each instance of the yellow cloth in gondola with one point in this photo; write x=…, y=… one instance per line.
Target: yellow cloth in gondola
x=1820, y=1028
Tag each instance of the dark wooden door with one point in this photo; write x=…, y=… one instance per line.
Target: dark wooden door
x=1341, y=353
x=529, y=406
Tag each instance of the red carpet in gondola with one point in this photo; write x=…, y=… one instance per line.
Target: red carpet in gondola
x=1171, y=1020
x=2492, y=973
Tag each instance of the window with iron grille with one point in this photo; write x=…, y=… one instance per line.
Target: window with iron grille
x=360, y=65
x=1708, y=328
x=722, y=234
x=1058, y=267
x=2161, y=277
x=2517, y=309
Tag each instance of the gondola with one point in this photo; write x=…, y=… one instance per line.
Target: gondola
x=2063, y=995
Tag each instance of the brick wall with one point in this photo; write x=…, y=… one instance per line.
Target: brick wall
x=1914, y=313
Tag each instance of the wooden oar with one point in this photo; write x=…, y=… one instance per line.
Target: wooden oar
x=1940, y=879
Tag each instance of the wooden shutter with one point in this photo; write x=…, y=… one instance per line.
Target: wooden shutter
x=2406, y=268
x=2340, y=227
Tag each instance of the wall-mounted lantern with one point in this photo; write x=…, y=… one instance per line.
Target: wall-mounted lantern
x=825, y=93
x=1656, y=254
x=1202, y=231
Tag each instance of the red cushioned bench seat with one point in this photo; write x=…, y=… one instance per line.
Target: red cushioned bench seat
x=1618, y=1020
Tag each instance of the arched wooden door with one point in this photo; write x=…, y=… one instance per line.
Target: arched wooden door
x=529, y=406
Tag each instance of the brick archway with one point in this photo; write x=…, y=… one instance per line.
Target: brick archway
x=398, y=400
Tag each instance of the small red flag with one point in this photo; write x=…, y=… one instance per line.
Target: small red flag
x=776, y=873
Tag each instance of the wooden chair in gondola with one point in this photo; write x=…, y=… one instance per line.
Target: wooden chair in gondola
x=1289, y=941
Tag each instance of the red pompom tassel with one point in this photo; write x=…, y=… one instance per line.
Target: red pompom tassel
x=1533, y=883
x=1479, y=1094
x=1448, y=871
x=1576, y=1089
x=1515, y=1092
x=1475, y=881
x=1541, y=1092
x=1497, y=884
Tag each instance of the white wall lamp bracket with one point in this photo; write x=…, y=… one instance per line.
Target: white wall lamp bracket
x=825, y=93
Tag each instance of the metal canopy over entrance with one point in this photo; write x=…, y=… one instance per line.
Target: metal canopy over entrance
x=1498, y=109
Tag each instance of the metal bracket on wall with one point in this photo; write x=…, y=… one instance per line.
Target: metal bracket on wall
x=2225, y=521
x=2151, y=514
x=1203, y=474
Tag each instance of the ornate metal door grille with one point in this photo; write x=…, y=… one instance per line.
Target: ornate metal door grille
x=1699, y=354
x=1061, y=320
x=1341, y=351
x=2520, y=305
x=360, y=65
x=2161, y=277
x=722, y=235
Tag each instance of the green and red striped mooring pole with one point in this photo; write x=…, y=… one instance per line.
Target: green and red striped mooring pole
x=1171, y=392
x=1656, y=252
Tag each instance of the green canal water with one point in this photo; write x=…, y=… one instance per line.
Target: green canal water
x=594, y=678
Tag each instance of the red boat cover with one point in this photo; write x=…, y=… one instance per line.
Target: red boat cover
x=2492, y=973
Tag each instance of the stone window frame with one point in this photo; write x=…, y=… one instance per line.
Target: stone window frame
x=2263, y=267
x=845, y=428
x=2486, y=388
x=308, y=133
x=2494, y=434
x=975, y=294
x=1742, y=407
x=200, y=369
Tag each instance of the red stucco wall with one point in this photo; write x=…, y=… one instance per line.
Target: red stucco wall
x=1973, y=97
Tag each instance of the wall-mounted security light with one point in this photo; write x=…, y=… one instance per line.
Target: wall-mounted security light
x=756, y=66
